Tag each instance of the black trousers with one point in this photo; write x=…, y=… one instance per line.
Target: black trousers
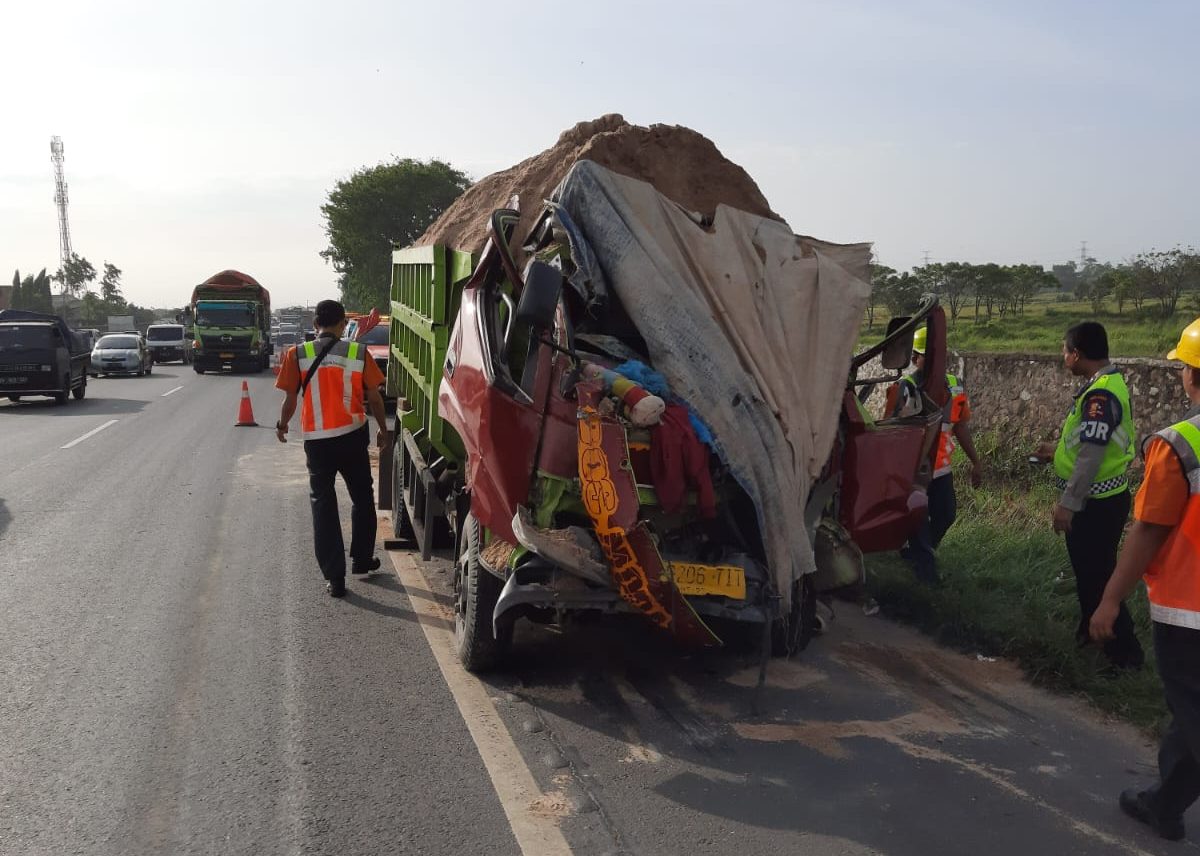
x=1177, y=651
x=943, y=509
x=1092, y=546
x=327, y=458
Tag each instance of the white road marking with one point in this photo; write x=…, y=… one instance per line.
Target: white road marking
x=514, y=783
x=91, y=433
x=169, y=391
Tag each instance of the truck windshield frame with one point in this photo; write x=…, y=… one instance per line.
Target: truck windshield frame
x=26, y=336
x=231, y=315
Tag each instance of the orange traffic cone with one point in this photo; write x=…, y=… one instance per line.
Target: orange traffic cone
x=245, y=411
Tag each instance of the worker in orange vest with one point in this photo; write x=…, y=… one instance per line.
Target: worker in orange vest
x=335, y=379
x=1163, y=548
x=904, y=399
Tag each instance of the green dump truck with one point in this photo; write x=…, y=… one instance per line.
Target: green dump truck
x=231, y=314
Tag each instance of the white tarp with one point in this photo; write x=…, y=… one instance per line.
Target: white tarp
x=752, y=325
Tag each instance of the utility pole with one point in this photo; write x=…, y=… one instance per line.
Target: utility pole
x=60, y=199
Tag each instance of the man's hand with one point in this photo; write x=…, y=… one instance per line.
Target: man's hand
x=383, y=438
x=281, y=430
x=1062, y=518
x=977, y=474
x=1045, y=452
x=1103, y=619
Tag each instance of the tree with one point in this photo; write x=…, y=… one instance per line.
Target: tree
x=34, y=293
x=14, y=299
x=376, y=207
x=110, y=286
x=989, y=285
x=75, y=275
x=1025, y=282
x=880, y=277
x=1066, y=275
x=1163, y=275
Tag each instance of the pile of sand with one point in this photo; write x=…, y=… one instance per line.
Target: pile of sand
x=681, y=164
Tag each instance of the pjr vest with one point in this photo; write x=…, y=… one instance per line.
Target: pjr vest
x=1173, y=576
x=953, y=412
x=333, y=401
x=1111, y=479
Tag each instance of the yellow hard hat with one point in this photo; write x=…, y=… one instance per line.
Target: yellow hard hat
x=920, y=338
x=1188, y=349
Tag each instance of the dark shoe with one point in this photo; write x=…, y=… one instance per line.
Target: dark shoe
x=365, y=566
x=336, y=588
x=1138, y=806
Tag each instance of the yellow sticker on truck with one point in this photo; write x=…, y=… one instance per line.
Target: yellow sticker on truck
x=695, y=579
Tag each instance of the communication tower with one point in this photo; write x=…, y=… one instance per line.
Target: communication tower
x=60, y=199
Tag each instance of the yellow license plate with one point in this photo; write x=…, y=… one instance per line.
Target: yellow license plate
x=724, y=580
x=226, y=356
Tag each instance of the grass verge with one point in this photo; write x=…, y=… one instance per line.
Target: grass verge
x=1039, y=330
x=1007, y=590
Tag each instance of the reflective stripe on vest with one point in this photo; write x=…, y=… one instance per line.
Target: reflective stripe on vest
x=952, y=414
x=1173, y=576
x=333, y=400
x=1118, y=452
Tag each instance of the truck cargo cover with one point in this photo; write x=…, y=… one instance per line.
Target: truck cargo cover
x=752, y=325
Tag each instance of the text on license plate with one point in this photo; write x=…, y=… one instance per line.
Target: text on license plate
x=14, y=379
x=226, y=356
x=724, y=580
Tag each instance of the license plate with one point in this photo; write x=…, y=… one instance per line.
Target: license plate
x=226, y=356
x=11, y=379
x=724, y=580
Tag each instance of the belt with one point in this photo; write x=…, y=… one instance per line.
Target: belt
x=1097, y=487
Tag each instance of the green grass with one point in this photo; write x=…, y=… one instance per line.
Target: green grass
x=1039, y=329
x=1007, y=590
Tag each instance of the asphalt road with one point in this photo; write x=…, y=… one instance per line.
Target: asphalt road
x=173, y=679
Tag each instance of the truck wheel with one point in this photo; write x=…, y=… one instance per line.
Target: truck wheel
x=401, y=524
x=63, y=397
x=476, y=593
x=197, y=369
x=80, y=391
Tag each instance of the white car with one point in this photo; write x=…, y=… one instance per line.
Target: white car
x=121, y=353
x=169, y=342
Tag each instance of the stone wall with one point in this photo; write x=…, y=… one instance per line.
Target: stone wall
x=1027, y=397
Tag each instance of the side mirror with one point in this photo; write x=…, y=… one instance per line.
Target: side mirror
x=539, y=297
x=898, y=353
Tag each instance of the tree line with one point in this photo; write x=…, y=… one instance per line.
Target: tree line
x=75, y=279
x=1152, y=281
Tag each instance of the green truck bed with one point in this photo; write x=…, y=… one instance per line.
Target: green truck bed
x=426, y=288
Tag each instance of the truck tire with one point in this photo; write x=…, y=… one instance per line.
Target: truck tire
x=401, y=524
x=197, y=369
x=476, y=594
x=61, y=398
x=80, y=391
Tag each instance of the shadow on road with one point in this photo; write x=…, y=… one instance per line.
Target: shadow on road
x=88, y=407
x=356, y=598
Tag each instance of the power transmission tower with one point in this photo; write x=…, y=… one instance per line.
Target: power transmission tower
x=60, y=199
x=1082, y=254
x=926, y=258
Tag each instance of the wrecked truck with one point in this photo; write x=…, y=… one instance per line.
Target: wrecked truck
x=656, y=413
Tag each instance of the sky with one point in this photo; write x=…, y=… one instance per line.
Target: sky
x=205, y=136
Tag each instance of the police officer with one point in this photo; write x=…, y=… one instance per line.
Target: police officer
x=1090, y=463
x=334, y=377
x=943, y=504
x=1163, y=547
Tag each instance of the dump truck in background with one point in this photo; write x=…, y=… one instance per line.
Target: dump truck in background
x=545, y=411
x=230, y=314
